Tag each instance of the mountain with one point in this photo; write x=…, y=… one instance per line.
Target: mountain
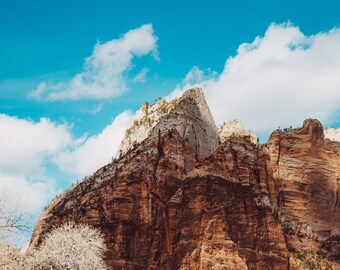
x=235, y=127
x=183, y=197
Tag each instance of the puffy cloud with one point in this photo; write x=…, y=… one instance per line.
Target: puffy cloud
x=104, y=72
x=279, y=79
x=25, y=147
x=24, y=144
x=23, y=195
x=29, y=147
x=97, y=150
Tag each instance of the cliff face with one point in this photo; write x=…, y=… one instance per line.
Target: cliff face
x=307, y=170
x=228, y=212
x=180, y=199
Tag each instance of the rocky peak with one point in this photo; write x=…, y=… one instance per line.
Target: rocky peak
x=313, y=128
x=146, y=118
x=332, y=133
x=235, y=127
x=189, y=115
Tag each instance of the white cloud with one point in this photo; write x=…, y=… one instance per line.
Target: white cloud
x=97, y=150
x=25, y=147
x=23, y=195
x=277, y=80
x=24, y=144
x=141, y=76
x=104, y=72
x=28, y=148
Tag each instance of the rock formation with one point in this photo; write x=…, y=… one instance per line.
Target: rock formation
x=185, y=111
x=181, y=199
x=235, y=128
x=146, y=118
x=307, y=170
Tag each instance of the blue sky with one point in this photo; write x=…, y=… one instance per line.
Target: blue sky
x=285, y=71
x=50, y=39
x=41, y=39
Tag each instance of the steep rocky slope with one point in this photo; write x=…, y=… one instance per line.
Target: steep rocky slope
x=181, y=199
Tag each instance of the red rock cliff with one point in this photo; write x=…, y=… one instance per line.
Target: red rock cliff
x=307, y=170
x=180, y=200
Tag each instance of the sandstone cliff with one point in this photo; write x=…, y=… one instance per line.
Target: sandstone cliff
x=181, y=199
x=307, y=170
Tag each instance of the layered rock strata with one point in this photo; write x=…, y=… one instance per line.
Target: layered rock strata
x=307, y=170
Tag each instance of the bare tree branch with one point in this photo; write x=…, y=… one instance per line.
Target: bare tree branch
x=11, y=218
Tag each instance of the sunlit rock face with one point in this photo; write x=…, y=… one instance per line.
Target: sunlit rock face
x=235, y=128
x=182, y=198
x=333, y=134
x=189, y=115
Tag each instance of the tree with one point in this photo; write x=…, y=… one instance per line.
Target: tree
x=8, y=257
x=12, y=219
x=69, y=247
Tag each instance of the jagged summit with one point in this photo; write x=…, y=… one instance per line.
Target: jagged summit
x=146, y=118
x=180, y=114
x=189, y=115
x=235, y=127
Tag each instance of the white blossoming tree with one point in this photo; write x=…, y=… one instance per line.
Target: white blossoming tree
x=69, y=247
x=11, y=218
x=9, y=259
x=12, y=221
